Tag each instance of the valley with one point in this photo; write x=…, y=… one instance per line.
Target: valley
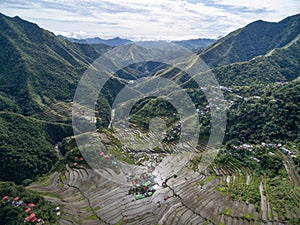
x=138, y=175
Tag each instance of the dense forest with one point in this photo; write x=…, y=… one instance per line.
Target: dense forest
x=27, y=146
x=273, y=116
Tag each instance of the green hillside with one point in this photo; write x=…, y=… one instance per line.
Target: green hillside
x=257, y=38
x=272, y=116
x=278, y=65
x=37, y=67
x=27, y=146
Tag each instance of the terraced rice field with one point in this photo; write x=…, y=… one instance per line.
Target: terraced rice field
x=191, y=198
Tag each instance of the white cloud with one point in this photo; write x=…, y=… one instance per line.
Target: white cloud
x=258, y=4
x=159, y=19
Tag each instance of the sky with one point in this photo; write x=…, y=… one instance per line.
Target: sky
x=148, y=19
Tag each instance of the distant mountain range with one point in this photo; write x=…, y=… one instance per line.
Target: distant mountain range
x=255, y=39
x=192, y=44
x=96, y=40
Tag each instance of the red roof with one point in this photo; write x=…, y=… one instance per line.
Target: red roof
x=31, y=205
x=28, y=210
x=16, y=198
x=75, y=164
x=5, y=198
x=101, y=153
x=81, y=159
x=32, y=215
x=31, y=218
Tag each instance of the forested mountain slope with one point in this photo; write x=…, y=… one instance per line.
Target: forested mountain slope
x=37, y=67
x=257, y=38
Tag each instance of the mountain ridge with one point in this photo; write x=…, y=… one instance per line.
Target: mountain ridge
x=31, y=52
x=256, y=38
x=278, y=65
x=192, y=44
x=113, y=42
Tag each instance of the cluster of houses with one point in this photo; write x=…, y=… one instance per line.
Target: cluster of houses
x=245, y=147
x=142, y=185
x=223, y=88
x=288, y=152
x=217, y=99
x=175, y=131
x=112, y=162
x=204, y=111
x=31, y=217
x=107, y=160
x=77, y=161
x=105, y=156
x=264, y=145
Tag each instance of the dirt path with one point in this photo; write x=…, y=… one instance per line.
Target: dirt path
x=248, y=177
x=263, y=202
x=56, y=148
x=112, y=117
